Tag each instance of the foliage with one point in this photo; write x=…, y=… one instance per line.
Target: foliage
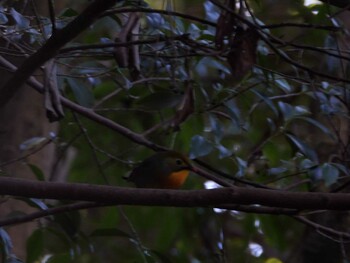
x=279, y=124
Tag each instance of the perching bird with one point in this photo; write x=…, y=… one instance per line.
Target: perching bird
x=167, y=170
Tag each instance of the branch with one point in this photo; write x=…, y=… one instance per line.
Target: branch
x=48, y=212
x=87, y=205
x=173, y=198
x=158, y=11
x=323, y=230
x=151, y=40
x=58, y=39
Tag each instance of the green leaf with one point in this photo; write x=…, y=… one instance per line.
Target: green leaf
x=37, y=172
x=208, y=66
x=70, y=222
x=234, y=112
x=277, y=170
x=216, y=127
x=35, y=246
x=318, y=125
x=307, y=164
x=290, y=112
x=32, y=143
x=81, y=91
x=223, y=151
x=330, y=173
x=268, y=102
x=283, y=84
x=200, y=146
x=342, y=168
x=303, y=147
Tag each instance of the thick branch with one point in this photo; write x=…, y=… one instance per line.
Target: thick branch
x=58, y=39
x=174, y=198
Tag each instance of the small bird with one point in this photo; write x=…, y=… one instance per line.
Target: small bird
x=167, y=170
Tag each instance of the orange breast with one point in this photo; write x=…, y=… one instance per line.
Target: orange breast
x=176, y=179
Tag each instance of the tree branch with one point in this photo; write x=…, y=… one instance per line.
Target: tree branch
x=174, y=198
x=86, y=205
x=48, y=212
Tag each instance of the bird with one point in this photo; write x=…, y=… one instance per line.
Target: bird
x=164, y=170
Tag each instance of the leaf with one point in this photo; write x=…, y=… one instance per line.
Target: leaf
x=207, y=65
x=266, y=100
x=331, y=104
x=3, y=17
x=234, y=112
x=185, y=108
x=216, y=127
x=283, y=84
x=21, y=21
x=290, y=112
x=82, y=92
x=318, y=125
x=35, y=246
x=303, y=147
x=242, y=166
x=277, y=170
x=212, y=12
x=6, y=242
x=332, y=63
x=155, y=20
x=242, y=56
x=330, y=173
x=54, y=110
x=342, y=168
x=223, y=151
x=70, y=222
x=307, y=164
x=32, y=143
x=200, y=147
x=35, y=202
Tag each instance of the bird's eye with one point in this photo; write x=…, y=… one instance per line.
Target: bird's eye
x=179, y=162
